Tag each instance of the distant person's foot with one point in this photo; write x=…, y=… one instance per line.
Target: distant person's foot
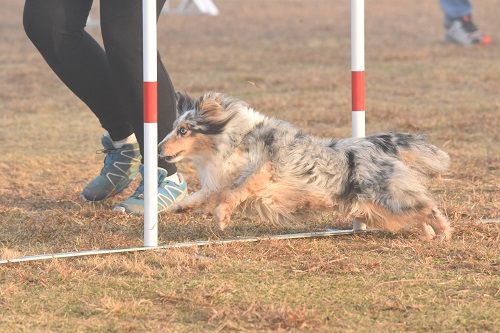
x=463, y=31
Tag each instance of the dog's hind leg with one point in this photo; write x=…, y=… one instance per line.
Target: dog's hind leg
x=427, y=232
x=428, y=216
x=233, y=196
x=380, y=218
x=440, y=224
x=431, y=221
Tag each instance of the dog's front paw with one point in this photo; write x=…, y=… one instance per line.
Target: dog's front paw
x=223, y=215
x=444, y=235
x=177, y=209
x=183, y=206
x=427, y=233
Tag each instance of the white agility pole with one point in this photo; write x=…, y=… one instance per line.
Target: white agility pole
x=150, y=123
x=358, y=67
x=358, y=77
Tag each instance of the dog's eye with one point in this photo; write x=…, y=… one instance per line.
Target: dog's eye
x=182, y=131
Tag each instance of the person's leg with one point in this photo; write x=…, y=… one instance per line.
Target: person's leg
x=460, y=28
x=56, y=28
x=453, y=9
x=121, y=24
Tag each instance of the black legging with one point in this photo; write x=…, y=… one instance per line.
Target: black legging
x=109, y=81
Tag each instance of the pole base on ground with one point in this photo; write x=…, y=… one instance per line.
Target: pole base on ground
x=358, y=226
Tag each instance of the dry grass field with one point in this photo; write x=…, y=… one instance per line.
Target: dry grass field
x=290, y=59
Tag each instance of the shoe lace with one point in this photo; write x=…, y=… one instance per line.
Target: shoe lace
x=139, y=192
x=105, y=150
x=111, y=154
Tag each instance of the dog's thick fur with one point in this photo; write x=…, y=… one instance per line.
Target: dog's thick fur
x=245, y=159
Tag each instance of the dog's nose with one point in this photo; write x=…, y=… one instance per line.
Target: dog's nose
x=160, y=148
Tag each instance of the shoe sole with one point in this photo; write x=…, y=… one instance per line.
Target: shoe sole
x=483, y=42
x=123, y=210
x=119, y=209
x=116, y=190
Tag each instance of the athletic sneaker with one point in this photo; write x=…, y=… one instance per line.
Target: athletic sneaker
x=121, y=166
x=171, y=189
x=464, y=32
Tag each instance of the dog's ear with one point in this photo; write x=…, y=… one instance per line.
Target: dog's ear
x=210, y=105
x=184, y=102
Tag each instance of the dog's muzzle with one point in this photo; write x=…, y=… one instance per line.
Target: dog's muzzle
x=169, y=157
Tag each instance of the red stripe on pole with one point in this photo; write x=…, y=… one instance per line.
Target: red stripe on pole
x=150, y=102
x=358, y=91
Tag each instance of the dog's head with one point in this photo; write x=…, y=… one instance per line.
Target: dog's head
x=198, y=126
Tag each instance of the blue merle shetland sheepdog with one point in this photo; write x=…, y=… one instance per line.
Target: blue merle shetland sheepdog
x=248, y=160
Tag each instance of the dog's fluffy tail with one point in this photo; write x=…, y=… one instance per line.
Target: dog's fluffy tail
x=420, y=155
